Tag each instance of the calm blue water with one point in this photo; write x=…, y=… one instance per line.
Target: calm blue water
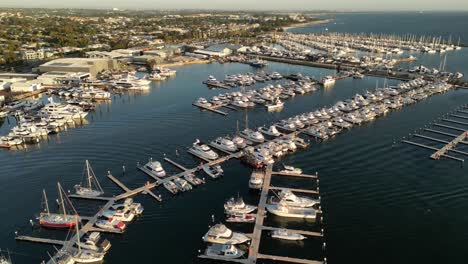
x=382, y=202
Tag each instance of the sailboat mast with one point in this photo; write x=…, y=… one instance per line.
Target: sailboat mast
x=88, y=175
x=77, y=235
x=62, y=203
x=44, y=196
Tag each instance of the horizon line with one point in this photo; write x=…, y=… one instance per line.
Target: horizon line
x=239, y=10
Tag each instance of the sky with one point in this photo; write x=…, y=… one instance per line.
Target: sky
x=348, y=5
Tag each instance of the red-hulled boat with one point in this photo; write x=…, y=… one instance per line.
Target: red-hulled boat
x=57, y=220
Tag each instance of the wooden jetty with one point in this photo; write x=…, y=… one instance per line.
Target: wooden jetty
x=302, y=232
x=119, y=183
x=295, y=175
x=294, y=190
x=455, y=122
x=212, y=109
x=175, y=164
x=41, y=240
x=449, y=146
x=288, y=259
x=440, y=132
x=97, y=198
x=450, y=127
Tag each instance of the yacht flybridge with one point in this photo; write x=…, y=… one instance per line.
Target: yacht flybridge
x=220, y=234
x=292, y=200
x=284, y=210
x=252, y=135
x=224, y=144
x=233, y=206
x=203, y=151
x=89, y=186
x=153, y=168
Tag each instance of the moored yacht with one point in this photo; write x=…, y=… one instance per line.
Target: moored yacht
x=270, y=131
x=291, y=169
x=220, y=234
x=153, y=168
x=256, y=180
x=281, y=209
x=213, y=171
x=289, y=198
x=203, y=151
x=252, y=135
x=233, y=206
x=225, y=251
x=224, y=144
x=286, y=235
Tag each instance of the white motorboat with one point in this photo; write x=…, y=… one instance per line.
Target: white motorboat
x=256, y=180
x=286, y=235
x=193, y=179
x=93, y=242
x=275, y=105
x=239, y=141
x=339, y=122
x=89, y=186
x=182, y=184
x=203, y=151
x=224, y=144
x=213, y=171
x=135, y=208
x=225, y=251
x=317, y=133
x=276, y=76
x=252, y=135
x=110, y=224
x=290, y=199
x=233, y=206
x=291, y=169
x=286, y=125
x=220, y=234
x=271, y=131
x=121, y=215
x=86, y=255
x=328, y=80
x=153, y=168
x=281, y=209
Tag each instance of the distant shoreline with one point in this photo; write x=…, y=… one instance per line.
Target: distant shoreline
x=321, y=21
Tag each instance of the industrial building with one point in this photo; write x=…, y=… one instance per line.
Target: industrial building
x=86, y=65
x=56, y=77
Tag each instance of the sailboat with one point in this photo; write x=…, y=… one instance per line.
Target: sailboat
x=5, y=259
x=84, y=255
x=90, y=186
x=57, y=220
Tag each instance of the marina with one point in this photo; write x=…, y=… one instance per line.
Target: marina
x=448, y=145
x=216, y=160
x=360, y=170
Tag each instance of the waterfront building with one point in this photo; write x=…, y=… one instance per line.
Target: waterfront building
x=86, y=65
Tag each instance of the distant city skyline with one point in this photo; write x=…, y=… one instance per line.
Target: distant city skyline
x=355, y=5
